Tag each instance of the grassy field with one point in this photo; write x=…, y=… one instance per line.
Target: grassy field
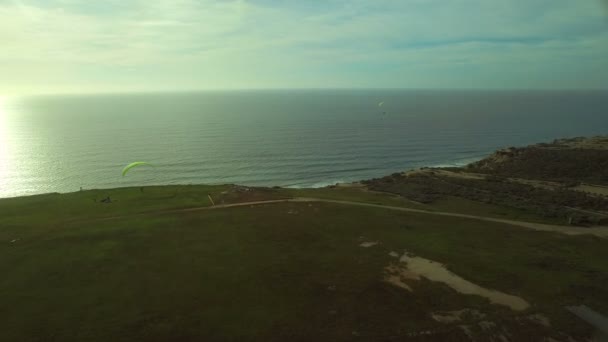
x=445, y=204
x=355, y=194
x=75, y=269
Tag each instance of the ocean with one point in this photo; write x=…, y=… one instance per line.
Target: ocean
x=289, y=138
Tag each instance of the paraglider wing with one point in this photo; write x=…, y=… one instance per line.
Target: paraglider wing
x=132, y=165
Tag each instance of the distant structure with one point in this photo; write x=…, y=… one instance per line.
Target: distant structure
x=595, y=319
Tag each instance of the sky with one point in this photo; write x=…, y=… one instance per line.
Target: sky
x=58, y=46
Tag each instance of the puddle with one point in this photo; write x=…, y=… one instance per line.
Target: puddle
x=417, y=267
x=368, y=244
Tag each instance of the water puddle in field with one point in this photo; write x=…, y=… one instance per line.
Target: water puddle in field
x=414, y=267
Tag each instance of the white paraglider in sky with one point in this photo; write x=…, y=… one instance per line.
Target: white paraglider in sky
x=380, y=104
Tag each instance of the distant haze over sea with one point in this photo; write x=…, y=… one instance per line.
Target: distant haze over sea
x=292, y=138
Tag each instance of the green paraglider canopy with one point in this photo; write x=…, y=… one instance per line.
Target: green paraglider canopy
x=132, y=165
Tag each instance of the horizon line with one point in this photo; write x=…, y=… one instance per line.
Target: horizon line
x=213, y=90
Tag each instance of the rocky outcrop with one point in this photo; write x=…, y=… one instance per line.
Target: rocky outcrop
x=499, y=157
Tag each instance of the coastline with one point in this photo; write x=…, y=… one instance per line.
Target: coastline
x=457, y=164
x=504, y=233
x=298, y=140
x=317, y=185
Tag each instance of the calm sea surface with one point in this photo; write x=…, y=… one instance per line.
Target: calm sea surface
x=285, y=138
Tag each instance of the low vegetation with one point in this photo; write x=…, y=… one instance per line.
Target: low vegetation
x=566, y=161
x=542, y=180
x=221, y=263
x=560, y=204
x=137, y=269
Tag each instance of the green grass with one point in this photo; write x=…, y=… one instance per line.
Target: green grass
x=446, y=203
x=274, y=272
x=50, y=209
x=53, y=208
x=87, y=204
x=354, y=195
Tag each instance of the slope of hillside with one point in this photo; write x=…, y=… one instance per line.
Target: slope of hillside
x=560, y=181
x=432, y=254
x=577, y=160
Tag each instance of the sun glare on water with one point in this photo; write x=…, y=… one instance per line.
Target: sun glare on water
x=4, y=152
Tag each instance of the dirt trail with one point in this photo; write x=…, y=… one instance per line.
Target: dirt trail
x=597, y=231
x=601, y=190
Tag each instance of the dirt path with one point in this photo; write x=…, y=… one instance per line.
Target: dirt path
x=594, y=189
x=597, y=231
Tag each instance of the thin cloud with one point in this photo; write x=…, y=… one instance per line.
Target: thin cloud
x=68, y=44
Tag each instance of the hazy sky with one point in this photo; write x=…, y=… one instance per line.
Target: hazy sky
x=113, y=45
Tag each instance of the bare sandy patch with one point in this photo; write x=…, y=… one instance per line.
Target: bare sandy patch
x=461, y=175
x=350, y=185
x=414, y=268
